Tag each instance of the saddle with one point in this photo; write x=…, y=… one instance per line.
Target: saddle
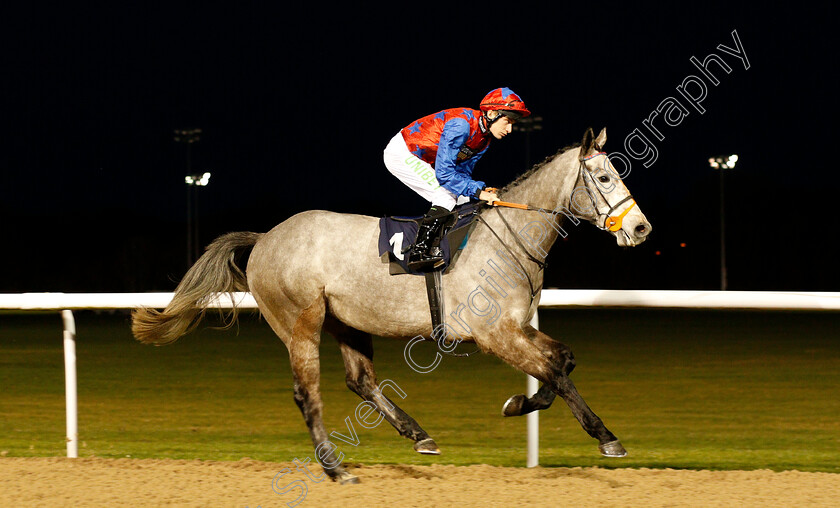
x=397, y=234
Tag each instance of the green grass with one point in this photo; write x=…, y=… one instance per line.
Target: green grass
x=681, y=389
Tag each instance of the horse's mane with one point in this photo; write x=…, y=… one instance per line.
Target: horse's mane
x=524, y=176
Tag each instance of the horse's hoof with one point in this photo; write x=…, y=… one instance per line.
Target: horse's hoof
x=513, y=406
x=612, y=449
x=345, y=478
x=427, y=447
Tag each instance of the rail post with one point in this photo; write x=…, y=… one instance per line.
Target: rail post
x=70, y=383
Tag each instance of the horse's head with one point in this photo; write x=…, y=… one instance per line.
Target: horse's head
x=602, y=198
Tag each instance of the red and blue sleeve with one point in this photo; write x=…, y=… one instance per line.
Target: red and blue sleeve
x=456, y=178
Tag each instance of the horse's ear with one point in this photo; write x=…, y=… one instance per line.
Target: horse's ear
x=601, y=139
x=586, y=143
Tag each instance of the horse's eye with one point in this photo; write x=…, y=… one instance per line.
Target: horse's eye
x=603, y=179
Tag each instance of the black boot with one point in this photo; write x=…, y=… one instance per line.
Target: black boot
x=426, y=254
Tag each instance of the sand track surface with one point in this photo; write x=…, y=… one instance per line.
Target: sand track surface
x=146, y=482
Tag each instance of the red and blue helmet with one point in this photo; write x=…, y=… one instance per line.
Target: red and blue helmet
x=505, y=101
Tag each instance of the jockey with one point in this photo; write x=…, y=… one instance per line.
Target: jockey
x=435, y=156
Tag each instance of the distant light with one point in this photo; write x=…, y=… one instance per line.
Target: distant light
x=198, y=180
x=188, y=136
x=658, y=253
x=723, y=162
x=682, y=244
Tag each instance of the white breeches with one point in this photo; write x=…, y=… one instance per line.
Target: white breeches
x=418, y=174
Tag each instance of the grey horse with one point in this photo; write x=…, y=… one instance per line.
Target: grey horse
x=320, y=270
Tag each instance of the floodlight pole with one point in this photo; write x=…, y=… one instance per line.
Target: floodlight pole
x=190, y=258
x=528, y=125
x=723, y=281
x=722, y=164
x=188, y=137
x=195, y=241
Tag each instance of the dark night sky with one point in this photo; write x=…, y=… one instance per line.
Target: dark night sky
x=296, y=105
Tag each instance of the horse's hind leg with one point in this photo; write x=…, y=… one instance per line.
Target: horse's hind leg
x=357, y=350
x=306, y=366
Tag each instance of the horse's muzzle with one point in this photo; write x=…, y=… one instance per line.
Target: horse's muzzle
x=632, y=235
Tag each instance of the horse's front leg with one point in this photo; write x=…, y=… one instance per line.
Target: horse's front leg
x=521, y=404
x=553, y=370
x=608, y=444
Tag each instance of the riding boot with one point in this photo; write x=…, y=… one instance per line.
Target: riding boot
x=426, y=254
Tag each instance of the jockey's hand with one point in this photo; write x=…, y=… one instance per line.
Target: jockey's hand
x=488, y=196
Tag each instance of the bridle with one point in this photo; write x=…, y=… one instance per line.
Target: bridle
x=610, y=222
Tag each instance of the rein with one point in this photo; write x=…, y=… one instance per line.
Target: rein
x=539, y=263
x=610, y=222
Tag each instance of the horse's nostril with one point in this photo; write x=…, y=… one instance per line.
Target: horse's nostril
x=641, y=230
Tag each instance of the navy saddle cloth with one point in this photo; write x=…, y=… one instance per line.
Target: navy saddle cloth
x=396, y=233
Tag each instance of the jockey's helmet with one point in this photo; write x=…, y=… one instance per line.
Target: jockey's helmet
x=506, y=102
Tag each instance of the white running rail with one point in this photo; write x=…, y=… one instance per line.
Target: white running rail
x=551, y=298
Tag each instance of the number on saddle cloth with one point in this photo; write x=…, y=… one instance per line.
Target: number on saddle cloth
x=397, y=233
